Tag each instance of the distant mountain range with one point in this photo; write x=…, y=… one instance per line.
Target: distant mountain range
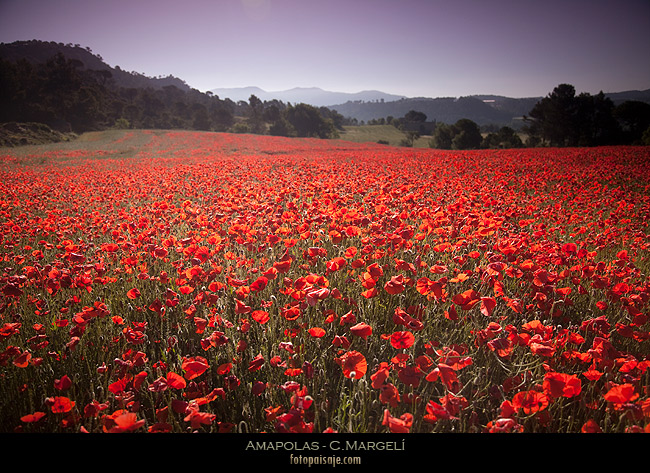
x=310, y=95
x=372, y=104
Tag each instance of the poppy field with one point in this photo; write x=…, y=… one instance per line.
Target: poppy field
x=212, y=282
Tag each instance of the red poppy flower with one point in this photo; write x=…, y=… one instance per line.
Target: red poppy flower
x=435, y=412
x=60, y=404
x=316, y=332
x=293, y=371
x=63, y=384
x=592, y=375
x=32, y=418
x=341, y=341
x=11, y=290
x=402, y=340
x=291, y=313
x=133, y=293
x=258, y=388
x=426, y=286
x=126, y=422
x=315, y=295
x=380, y=376
x=447, y=375
x=241, y=308
x=22, y=360
x=504, y=425
x=541, y=347
x=410, y=375
x=487, y=305
x=395, y=285
x=256, y=363
x=194, y=366
x=591, y=427
x=196, y=418
x=530, y=401
x=467, y=299
x=370, y=293
x=561, y=385
x=175, y=381
x=362, y=330
x=503, y=347
x=9, y=329
x=283, y=266
x=260, y=316
x=388, y=394
x=621, y=394
x=398, y=425
x=454, y=404
x=336, y=264
x=259, y=284
x=353, y=363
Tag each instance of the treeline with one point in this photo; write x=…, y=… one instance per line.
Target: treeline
x=279, y=119
x=565, y=119
x=462, y=135
x=465, y=134
x=560, y=119
x=64, y=95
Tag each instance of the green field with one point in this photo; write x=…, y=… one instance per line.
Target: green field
x=374, y=133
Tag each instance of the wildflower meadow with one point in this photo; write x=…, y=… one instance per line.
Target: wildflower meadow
x=178, y=282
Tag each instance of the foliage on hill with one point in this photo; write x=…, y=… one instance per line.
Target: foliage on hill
x=444, y=109
x=68, y=97
x=74, y=91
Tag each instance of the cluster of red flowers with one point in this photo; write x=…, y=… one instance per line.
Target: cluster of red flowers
x=214, y=281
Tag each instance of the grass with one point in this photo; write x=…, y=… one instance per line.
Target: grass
x=376, y=133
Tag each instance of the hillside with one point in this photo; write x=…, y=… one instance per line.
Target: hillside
x=482, y=109
x=72, y=90
x=38, y=52
x=446, y=110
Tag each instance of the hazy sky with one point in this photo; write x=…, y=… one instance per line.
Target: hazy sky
x=517, y=48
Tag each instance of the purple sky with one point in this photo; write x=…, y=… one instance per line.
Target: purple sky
x=517, y=48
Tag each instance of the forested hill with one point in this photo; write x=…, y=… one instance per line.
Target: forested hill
x=444, y=109
x=39, y=52
x=481, y=109
x=70, y=89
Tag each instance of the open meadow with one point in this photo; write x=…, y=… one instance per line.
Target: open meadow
x=170, y=281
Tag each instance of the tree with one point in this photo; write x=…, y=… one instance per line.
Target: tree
x=645, y=137
x=553, y=119
x=442, y=136
x=564, y=119
x=505, y=137
x=634, y=118
x=201, y=120
x=464, y=134
x=282, y=127
x=256, y=110
x=415, y=117
x=467, y=136
x=308, y=122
